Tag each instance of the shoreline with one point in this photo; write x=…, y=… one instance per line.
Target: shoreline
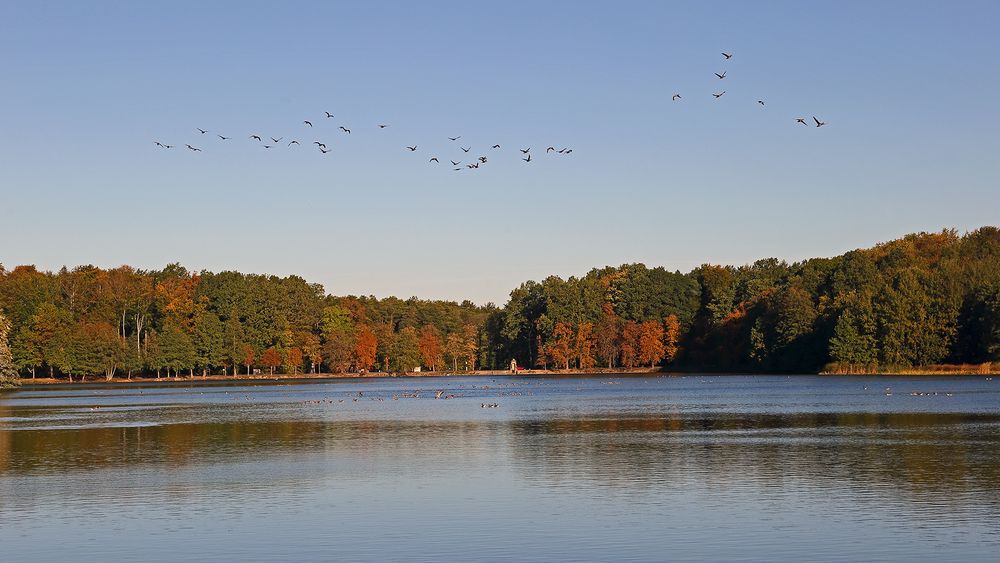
x=958, y=371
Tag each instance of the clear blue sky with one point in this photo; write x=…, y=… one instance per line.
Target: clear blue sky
x=908, y=91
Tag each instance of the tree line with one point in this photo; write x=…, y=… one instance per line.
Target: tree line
x=924, y=299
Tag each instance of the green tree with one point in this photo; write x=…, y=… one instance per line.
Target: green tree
x=8, y=372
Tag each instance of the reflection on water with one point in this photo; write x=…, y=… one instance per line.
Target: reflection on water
x=566, y=468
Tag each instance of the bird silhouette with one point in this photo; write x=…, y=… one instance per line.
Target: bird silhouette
x=465, y=149
x=345, y=129
x=527, y=159
x=818, y=122
x=293, y=142
x=323, y=149
x=328, y=114
x=525, y=151
x=168, y=146
x=255, y=137
x=268, y=146
x=550, y=149
x=727, y=55
x=761, y=102
x=319, y=144
x=277, y=140
x=454, y=138
x=801, y=120
x=453, y=163
x=564, y=150
x=193, y=148
x=434, y=159
x=482, y=159
x=675, y=97
x=309, y=123
x=719, y=95
x=382, y=126
x=159, y=144
x=413, y=148
x=496, y=146
x=721, y=76
x=202, y=131
x=224, y=138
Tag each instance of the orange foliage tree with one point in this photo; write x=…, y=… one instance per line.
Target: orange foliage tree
x=248, y=356
x=651, y=349
x=365, y=347
x=271, y=358
x=671, y=336
x=629, y=343
x=561, y=349
x=294, y=357
x=607, y=335
x=430, y=347
x=585, y=346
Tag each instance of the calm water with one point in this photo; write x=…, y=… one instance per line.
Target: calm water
x=598, y=468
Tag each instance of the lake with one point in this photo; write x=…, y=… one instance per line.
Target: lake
x=689, y=467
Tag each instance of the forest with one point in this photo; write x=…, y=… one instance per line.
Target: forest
x=922, y=300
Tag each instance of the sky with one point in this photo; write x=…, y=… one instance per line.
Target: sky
x=908, y=92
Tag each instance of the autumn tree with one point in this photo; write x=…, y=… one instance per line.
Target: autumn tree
x=430, y=347
x=293, y=359
x=562, y=345
x=607, y=335
x=249, y=355
x=629, y=343
x=584, y=349
x=651, y=348
x=365, y=347
x=271, y=358
x=671, y=337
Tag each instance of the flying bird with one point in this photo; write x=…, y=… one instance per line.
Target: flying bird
x=224, y=138
x=482, y=159
x=328, y=114
x=721, y=76
x=268, y=146
x=277, y=140
x=434, y=159
x=453, y=163
x=159, y=144
x=323, y=150
x=719, y=95
x=319, y=144
x=345, y=129
x=457, y=169
x=550, y=149
x=454, y=138
x=564, y=151
x=308, y=123
x=818, y=122
x=675, y=97
x=465, y=149
x=496, y=146
x=413, y=148
x=202, y=131
x=727, y=55
x=293, y=143
x=525, y=151
x=761, y=102
x=801, y=120
x=168, y=146
x=255, y=137
x=527, y=159
x=193, y=148
x=382, y=126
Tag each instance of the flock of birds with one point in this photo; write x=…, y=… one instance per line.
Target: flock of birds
x=722, y=76
x=466, y=160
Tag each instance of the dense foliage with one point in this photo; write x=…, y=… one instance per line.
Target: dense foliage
x=920, y=300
